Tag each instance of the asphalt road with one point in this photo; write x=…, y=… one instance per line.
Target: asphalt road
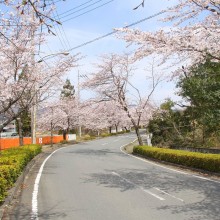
x=96, y=181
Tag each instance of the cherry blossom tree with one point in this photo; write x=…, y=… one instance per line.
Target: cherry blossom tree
x=22, y=78
x=51, y=118
x=111, y=82
x=103, y=115
x=58, y=115
x=40, y=9
x=193, y=38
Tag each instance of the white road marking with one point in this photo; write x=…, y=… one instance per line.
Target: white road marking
x=204, y=178
x=104, y=144
x=139, y=187
x=34, y=214
x=169, y=194
x=167, y=168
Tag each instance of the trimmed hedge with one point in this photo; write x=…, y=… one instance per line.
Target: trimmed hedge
x=113, y=134
x=12, y=163
x=208, y=162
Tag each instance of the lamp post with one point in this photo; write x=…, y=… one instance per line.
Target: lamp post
x=35, y=100
x=52, y=55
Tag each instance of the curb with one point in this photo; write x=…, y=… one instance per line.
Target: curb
x=17, y=185
x=199, y=171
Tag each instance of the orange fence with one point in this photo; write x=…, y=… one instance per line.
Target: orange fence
x=6, y=143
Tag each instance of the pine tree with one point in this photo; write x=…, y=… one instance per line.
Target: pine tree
x=67, y=94
x=68, y=90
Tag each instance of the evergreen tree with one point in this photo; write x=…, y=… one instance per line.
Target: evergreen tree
x=201, y=88
x=68, y=90
x=67, y=94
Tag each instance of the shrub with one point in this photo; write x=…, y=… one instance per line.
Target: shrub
x=64, y=142
x=88, y=137
x=3, y=187
x=12, y=162
x=208, y=162
x=105, y=135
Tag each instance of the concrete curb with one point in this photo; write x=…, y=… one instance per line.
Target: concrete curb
x=13, y=191
x=128, y=150
x=174, y=165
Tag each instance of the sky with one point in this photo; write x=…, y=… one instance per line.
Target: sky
x=84, y=20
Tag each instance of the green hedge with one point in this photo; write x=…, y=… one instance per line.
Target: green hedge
x=208, y=162
x=12, y=162
x=113, y=134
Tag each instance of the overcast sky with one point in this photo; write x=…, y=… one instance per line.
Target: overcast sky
x=80, y=24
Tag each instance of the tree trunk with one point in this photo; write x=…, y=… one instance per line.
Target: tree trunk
x=110, y=130
x=138, y=136
x=51, y=134
x=203, y=134
x=68, y=127
x=116, y=129
x=20, y=133
x=64, y=134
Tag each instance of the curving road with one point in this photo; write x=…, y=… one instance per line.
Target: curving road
x=96, y=181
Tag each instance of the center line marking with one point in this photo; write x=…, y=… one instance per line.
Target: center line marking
x=139, y=187
x=169, y=194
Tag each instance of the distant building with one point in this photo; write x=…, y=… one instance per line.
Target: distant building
x=9, y=129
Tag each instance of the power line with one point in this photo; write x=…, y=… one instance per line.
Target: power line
x=87, y=11
x=61, y=37
x=78, y=6
x=65, y=36
x=66, y=15
x=115, y=31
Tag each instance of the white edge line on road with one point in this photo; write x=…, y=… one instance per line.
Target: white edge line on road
x=174, y=170
x=141, y=188
x=34, y=214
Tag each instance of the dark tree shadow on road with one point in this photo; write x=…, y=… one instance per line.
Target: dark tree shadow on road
x=98, y=153
x=201, y=197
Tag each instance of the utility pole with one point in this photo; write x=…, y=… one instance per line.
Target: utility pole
x=34, y=102
x=34, y=118
x=78, y=107
x=78, y=102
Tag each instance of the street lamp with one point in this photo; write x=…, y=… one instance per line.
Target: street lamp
x=53, y=54
x=34, y=106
